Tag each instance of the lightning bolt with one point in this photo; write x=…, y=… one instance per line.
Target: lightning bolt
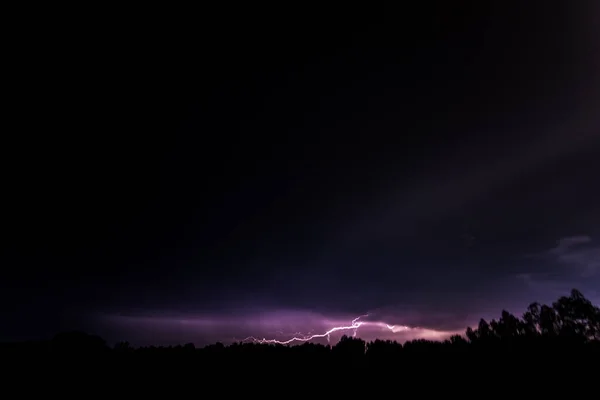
x=354, y=325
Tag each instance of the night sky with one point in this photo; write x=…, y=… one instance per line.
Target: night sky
x=256, y=175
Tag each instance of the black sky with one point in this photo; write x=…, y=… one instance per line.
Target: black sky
x=426, y=158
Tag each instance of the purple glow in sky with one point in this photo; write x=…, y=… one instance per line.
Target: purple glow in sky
x=543, y=277
x=283, y=326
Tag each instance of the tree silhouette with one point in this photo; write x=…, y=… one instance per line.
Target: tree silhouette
x=512, y=345
x=576, y=317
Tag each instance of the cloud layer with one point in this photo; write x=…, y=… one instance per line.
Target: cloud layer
x=280, y=325
x=574, y=262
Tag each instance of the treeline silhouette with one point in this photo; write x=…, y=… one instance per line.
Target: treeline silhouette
x=564, y=336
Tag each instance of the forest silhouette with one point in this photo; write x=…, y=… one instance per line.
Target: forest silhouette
x=562, y=338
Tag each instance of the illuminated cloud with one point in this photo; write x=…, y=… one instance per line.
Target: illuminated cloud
x=573, y=263
x=567, y=243
x=281, y=326
x=572, y=253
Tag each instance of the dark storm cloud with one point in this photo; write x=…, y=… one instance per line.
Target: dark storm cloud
x=463, y=176
x=397, y=175
x=412, y=239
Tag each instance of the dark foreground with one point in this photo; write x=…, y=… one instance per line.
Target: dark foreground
x=550, y=349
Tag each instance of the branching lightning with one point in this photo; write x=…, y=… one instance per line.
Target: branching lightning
x=354, y=325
